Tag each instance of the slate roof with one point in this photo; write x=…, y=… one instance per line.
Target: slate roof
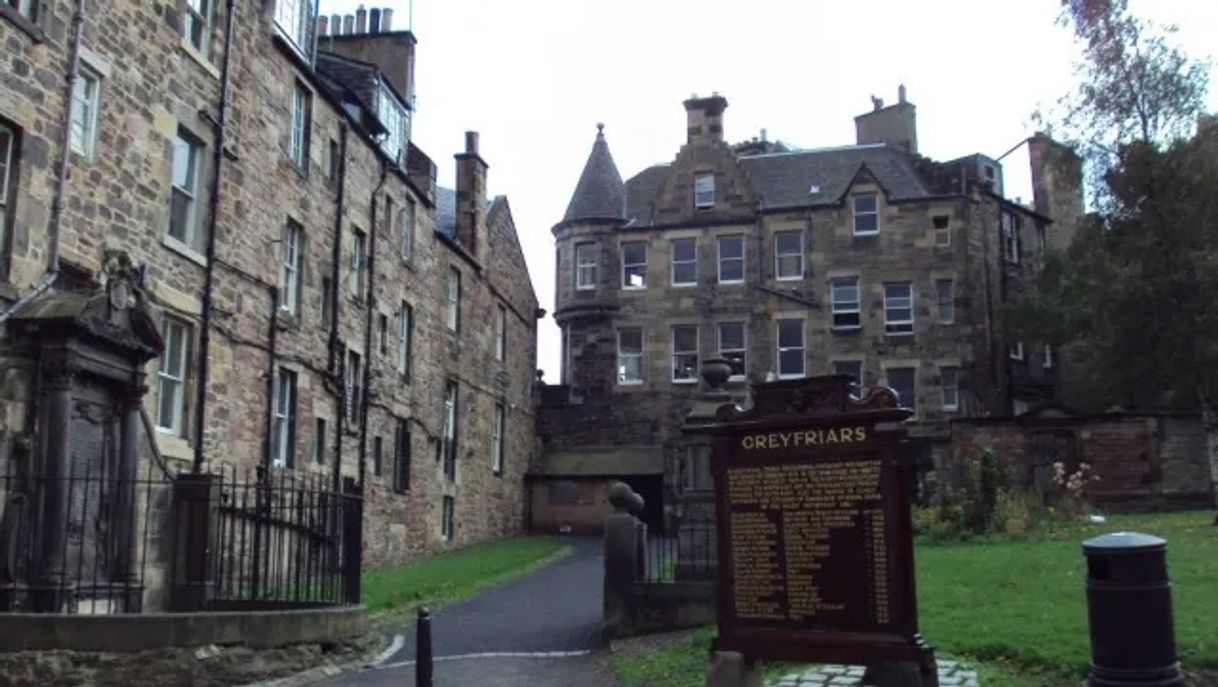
x=446, y=211
x=784, y=180
x=600, y=193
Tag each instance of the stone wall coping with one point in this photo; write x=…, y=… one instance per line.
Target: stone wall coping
x=151, y=631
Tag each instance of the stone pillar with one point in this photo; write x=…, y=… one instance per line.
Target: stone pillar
x=125, y=553
x=731, y=669
x=49, y=583
x=622, y=564
x=196, y=498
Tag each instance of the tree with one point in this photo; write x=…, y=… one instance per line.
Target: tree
x=1136, y=296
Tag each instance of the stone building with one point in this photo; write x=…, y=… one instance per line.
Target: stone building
x=868, y=260
x=325, y=309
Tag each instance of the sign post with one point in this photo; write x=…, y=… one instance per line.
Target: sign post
x=812, y=496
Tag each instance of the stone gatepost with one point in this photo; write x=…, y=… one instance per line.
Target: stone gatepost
x=624, y=556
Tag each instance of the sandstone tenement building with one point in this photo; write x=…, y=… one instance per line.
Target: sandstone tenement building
x=325, y=308
x=867, y=260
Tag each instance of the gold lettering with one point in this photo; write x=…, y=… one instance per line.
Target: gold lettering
x=847, y=435
x=860, y=434
x=747, y=442
x=831, y=437
x=773, y=440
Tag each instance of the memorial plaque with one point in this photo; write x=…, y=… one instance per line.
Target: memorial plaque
x=812, y=508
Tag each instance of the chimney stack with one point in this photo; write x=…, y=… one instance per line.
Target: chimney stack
x=361, y=20
x=386, y=20
x=471, y=197
x=704, y=118
x=896, y=124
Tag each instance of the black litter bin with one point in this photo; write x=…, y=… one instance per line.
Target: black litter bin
x=1129, y=609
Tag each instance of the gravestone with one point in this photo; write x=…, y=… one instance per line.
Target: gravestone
x=812, y=495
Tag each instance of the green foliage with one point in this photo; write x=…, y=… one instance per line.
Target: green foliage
x=455, y=575
x=966, y=507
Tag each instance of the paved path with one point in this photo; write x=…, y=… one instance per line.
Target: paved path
x=951, y=674
x=541, y=629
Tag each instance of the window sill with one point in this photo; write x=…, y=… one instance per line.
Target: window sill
x=898, y=335
x=737, y=379
x=199, y=59
x=184, y=250
x=636, y=382
x=23, y=23
x=796, y=278
x=585, y=288
x=945, y=322
x=734, y=282
x=634, y=288
x=865, y=234
x=847, y=330
x=302, y=172
x=684, y=381
x=685, y=285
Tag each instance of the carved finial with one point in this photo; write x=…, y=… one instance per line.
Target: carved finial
x=600, y=128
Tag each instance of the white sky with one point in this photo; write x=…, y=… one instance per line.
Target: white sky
x=535, y=76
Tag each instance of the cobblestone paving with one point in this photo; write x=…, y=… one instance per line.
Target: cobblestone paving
x=951, y=674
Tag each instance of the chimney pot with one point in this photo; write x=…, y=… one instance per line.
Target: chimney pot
x=901, y=93
x=386, y=20
x=471, y=142
x=336, y=25
x=763, y=138
x=361, y=20
x=323, y=23
x=374, y=20
x=348, y=25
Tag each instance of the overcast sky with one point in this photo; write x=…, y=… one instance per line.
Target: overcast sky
x=535, y=76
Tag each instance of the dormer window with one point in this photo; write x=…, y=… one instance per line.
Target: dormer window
x=295, y=21
x=704, y=191
x=394, y=116
x=866, y=214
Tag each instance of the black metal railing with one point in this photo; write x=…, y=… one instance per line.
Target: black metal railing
x=687, y=553
x=104, y=539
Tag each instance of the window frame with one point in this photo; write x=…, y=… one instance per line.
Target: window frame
x=405, y=339
x=1048, y=359
x=294, y=19
x=945, y=305
x=198, y=17
x=406, y=230
x=913, y=389
x=855, y=214
x=858, y=379
x=300, y=126
x=352, y=373
x=622, y=355
x=453, y=296
x=704, y=190
x=402, y=456
x=498, y=425
x=627, y=266
x=779, y=348
x=719, y=240
x=86, y=144
x=26, y=9
x=892, y=325
x=283, y=439
x=685, y=352
x=448, y=435
x=500, y=332
x=673, y=262
x=952, y=372
x=289, y=266
x=845, y=283
x=1015, y=351
x=779, y=254
x=743, y=349
x=179, y=425
x=586, y=264
x=944, y=232
x=1010, y=232
x=356, y=264
x=192, y=233
x=9, y=176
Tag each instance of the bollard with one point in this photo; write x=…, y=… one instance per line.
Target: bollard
x=422, y=653
x=1129, y=611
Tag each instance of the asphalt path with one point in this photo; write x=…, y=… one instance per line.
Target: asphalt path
x=542, y=629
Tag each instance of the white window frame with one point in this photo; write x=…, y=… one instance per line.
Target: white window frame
x=856, y=214
x=1048, y=362
x=298, y=143
x=448, y=506
x=950, y=392
x=173, y=381
x=704, y=190
x=912, y=401
x=356, y=280
x=1015, y=351
x=1010, y=237
x=9, y=140
x=742, y=349
x=673, y=262
x=624, y=355
x=25, y=8
x=779, y=254
x=294, y=18
x=892, y=325
x=284, y=417
x=405, y=324
x=196, y=26
x=944, y=232
x=585, y=266
x=685, y=353
x=844, y=306
x=406, y=219
x=500, y=332
x=497, y=426
x=188, y=191
x=353, y=370
x=289, y=273
x=448, y=436
x=945, y=306
x=719, y=250
x=86, y=104
x=627, y=266
x=453, y=319
x=393, y=115
x=779, y=348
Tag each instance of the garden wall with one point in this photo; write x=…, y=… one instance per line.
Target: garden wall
x=1144, y=462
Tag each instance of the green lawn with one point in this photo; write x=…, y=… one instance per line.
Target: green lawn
x=455, y=575
x=1015, y=607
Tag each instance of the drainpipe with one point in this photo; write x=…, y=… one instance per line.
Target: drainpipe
x=61, y=167
x=369, y=307
x=338, y=367
x=213, y=205
x=267, y=458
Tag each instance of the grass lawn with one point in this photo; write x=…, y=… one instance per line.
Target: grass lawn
x=455, y=575
x=1014, y=606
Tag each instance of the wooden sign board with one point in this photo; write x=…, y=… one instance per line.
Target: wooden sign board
x=814, y=533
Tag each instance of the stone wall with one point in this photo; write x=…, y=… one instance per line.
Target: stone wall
x=154, y=85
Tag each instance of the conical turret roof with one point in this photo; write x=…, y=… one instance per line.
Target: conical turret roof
x=600, y=193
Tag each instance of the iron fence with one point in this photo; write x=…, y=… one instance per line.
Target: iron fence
x=104, y=539
x=687, y=553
